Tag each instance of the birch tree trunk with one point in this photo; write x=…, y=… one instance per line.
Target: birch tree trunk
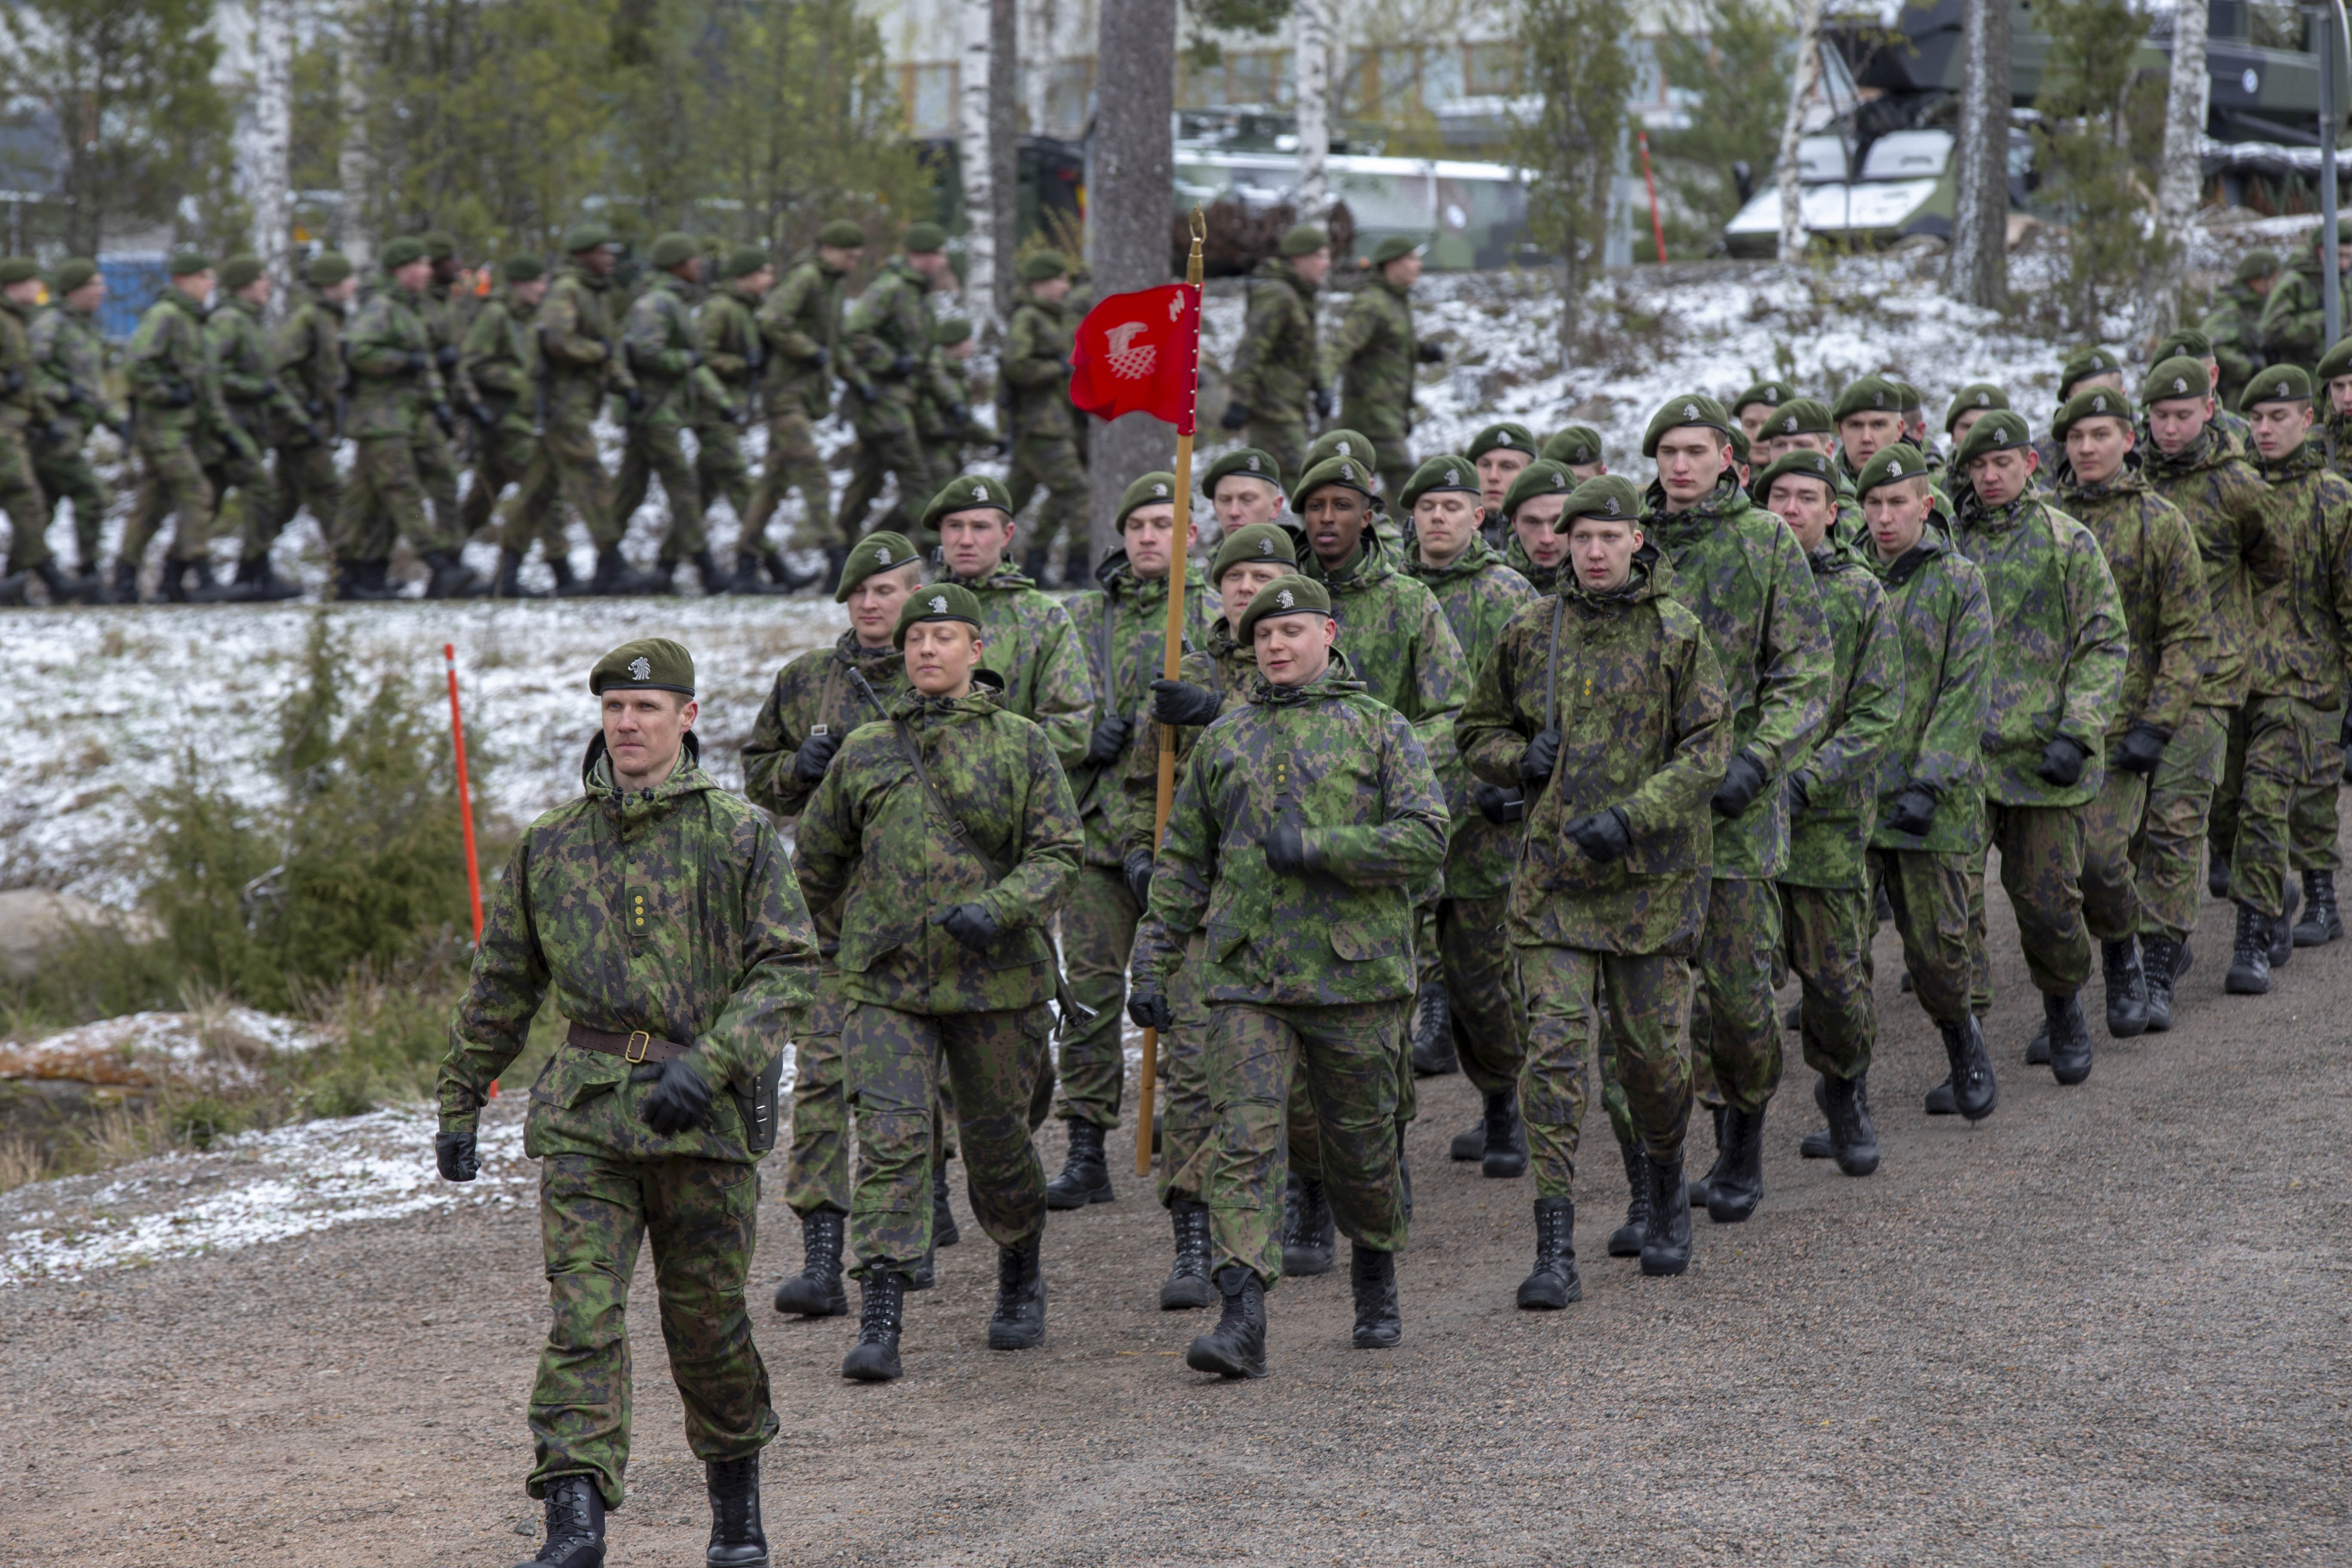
x=1801, y=91
x=1313, y=102
x=265, y=68
x=1003, y=145
x=1039, y=58
x=355, y=169
x=978, y=165
x=1977, y=269
x=2181, y=179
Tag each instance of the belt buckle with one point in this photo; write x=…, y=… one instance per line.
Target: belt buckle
x=640, y=1041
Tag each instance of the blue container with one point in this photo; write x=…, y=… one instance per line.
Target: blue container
x=133, y=280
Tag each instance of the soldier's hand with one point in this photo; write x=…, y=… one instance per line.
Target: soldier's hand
x=2142, y=748
x=1429, y=354
x=179, y=395
x=1742, y=782
x=2061, y=762
x=457, y=1156
x=61, y=434
x=1540, y=758
x=1288, y=851
x=1107, y=741
x=969, y=924
x=1139, y=876
x=815, y=755
x=1322, y=400
x=482, y=414
x=445, y=356
x=1800, y=792
x=1181, y=702
x=902, y=365
x=1147, y=1004
x=634, y=399
x=824, y=357
x=680, y=1100
x=446, y=417
x=1498, y=804
x=1604, y=834
x=1913, y=811
x=416, y=362
x=1235, y=415
x=960, y=415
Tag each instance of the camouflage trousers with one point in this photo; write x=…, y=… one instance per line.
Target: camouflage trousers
x=2112, y=909
x=1098, y=934
x=701, y=1215
x=1932, y=896
x=2291, y=756
x=1350, y=1055
x=1306, y=1138
x=1825, y=934
x=2170, y=842
x=895, y=1063
x=1735, y=1036
x=1187, y=1112
x=887, y=444
x=67, y=474
x=172, y=481
x=2221, y=824
x=1629, y=1009
x=1282, y=438
x=563, y=466
x=1050, y=463
x=20, y=493
x=501, y=457
x=1490, y=1022
x=721, y=472
x=386, y=500
x=794, y=463
x=305, y=477
x=2311, y=822
x=2041, y=850
x=660, y=449
x=816, y=1161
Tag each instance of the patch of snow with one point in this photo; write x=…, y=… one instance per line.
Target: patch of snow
x=143, y=1050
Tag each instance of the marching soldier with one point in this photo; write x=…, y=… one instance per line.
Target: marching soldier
x=25, y=411
x=726, y=331
x=1029, y=640
x=181, y=428
x=2230, y=326
x=666, y=358
x=501, y=362
x=263, y=407
x=1502, y=451
x=2294, y=322
x=1373, y=355
x=71, y=353
x=1035, y=374
x=651, y=1118
x=800, y=320
x=1277, y=372
x=887, y=342
x=449, y=307
x=943, y=418
x=580, y=347
x=309, y=353
x=1537, y=551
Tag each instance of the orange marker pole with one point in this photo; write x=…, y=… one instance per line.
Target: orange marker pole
x=464, y=803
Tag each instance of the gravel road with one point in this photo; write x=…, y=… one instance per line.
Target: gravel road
x=2107, y=1326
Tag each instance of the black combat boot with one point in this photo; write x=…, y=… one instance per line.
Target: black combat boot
x=2217, y=875
x=943, y=1222
x=1626, y=1241
x=1722, y=1153
x=1667, y=1245
x=707, y=572
x=2320, y=925
x=2283, y=930
x=2160, y=955
x=1309, y=1238
x=662, y=581
x=875, y=1358
x=747, y=582
x=1732, y=1196
x=1505, y=1153
x=1971, y=1091
x=1373, y=1276
x=2127, y=989
x=191, y=583
x=1188, y=1283
x=1553, y=1284
x=65, y=590
x=1852, y=1140
x=1033, y=566
x=736, y=1539
x=575, y=1525
x=2037, y=1049
x=451, y=578
x=615, y=578
x=1433, y=1035
x=1019, y=1322
x=508, y=585
x=792, y=579
x=816, y=1291
x=2250, y=963
x=124, y=590
x=1086, y=1174
x=837, y=556
x=1470, y=1143
x=1236, y=1346
x=13, y=586
x=927, y=1271
x=1816, y=1145
x=2070, y=1037
x=569, y=585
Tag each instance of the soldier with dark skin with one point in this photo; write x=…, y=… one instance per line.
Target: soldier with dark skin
x=1501, y=452
x=1604, y=706
x=946, y=836
x=25, y=418
x=583, y=364
x=800, y=321
x=1303, y=823
x=1277, y=372
x=727, y=331
x=677, y=387
x=658, y=913
x=501, y=362
x=886, y=344
x=1372, y=356
x=1036, y=367
x=71, y=353
x=263, y=406
x=308, y=354
x=2230, y=325
x=180, y=429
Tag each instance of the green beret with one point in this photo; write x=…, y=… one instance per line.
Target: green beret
x=948, y=330
x=1041, y=264
x=937, y=602
x=967, y=493
x=1996, y=432
x=2336, y=361
x=403, y=251
x=1395, y=247
x=674, y=250
x=2256, y=264
x=586, y=237
x=1348, y=472
x=1867, y=394
x=1440, y=473
x=742, y=261
x=1259, y=542
x=1540, y=478
x=842, y=234
x=1804, y=465
x=76, y=271
x=649, y=664
x=2084, y=365
x=19, y=269
x=1688, y=408
x=875, y=553
x=1293, y=594
x=2187, y=342
x=1771, y=394
x=327, y=268
x=2279, y=383
x=2343, y=234
x=2090, y=404
x=1341, y=443
x=1249, y=462
x=923, y=238
x=1800, y=416
x=1908, y=398
x=2181, y=376
x=1979, y=395
x=1739, y=443
x=439, y=244
x=187, y=263
x=1149, y=490
x=1609, y=495
x=522, y=268
x=1577, y=444
x=236, y=272
x=1508, y=434
x=1305, y=239
x=1901, y=461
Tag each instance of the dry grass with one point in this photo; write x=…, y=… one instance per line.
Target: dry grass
x=20, y=1162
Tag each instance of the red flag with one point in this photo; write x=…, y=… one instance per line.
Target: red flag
x=1140, y=354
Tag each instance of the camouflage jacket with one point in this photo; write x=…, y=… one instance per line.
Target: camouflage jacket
x=814, y=695
x=2063, y=645
x=1120, y=629
x=1036, y=368
x=388, y=396
x=71, y=353
x=2221, y=494
x=889, y=325
x=1224, y=666
x=1276, y=365
x=801, y=322
x=580, y=345
x=1032, y=644
x=500, y=363
x=23, y=400
x=666, y=358
x=943, y=404
x=723, y=959
x=1347, y=770
x=2302, y=572
x=175, y=383
x=874, y=857
x=1631, y=682
x=2294, y=323
x=310, y=356
x=1828, y=839
x=1936, y=598
x=1398, y=644
x=1372, y=357
x=733, y=349
x=449, y=312
x=1478, y=596
x=1542, y=579
x=1740, y=569
x=256, y=400
x=2237, y=347
x=2152, y=556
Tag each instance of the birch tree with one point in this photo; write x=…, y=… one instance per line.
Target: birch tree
x=1976, y=270
x=1807, y=80
x=979, y=166
x=1313, y=74
x=2180, y=177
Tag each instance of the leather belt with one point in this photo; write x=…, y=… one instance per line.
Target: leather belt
x=637, y=1046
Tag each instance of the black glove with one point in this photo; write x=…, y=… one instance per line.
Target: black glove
x=1913, y=811
x=1429, y=354
x=2142, y=748
x=121, y=428
x=824, y=357
x=456, y=1154
x=1139, y=876
x=416, y=362
x=634, y=399
x=959, y=414
x=815, y=754
x=1109, y=741
x=314, y=408
x=13, y=381
x=1800, y=792
x=1742, y=782
x=969, y=924
x=680, y=1100
x=1286, y=850
x=445, y=356
x=446, y=417
x=61, y=434
x=902, y=365
x=1541, y=756
x=2061, y=762
x=1498, y=804
x=1603, y=835
x=482, y=414
x=1149, y=1008
x=1235, y=415
x=179, y=395
x=1181, y=702
x=1321, y=398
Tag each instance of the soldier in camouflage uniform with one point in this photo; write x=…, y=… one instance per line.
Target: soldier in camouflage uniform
x=1577, y=449
x=1502, y=451
x=263, y=406
x=2190, y=343
x=449, y=307
x=71, y=353
x=943, y=418
x=2151, y=552
x=501, y=362
x=180, y=429
x=1028, y=635
x=308, y=356
x=886, y=344
x=2294, y=323
x=582, y=365
x=1538, y=552
x=2230, y=325
x=675, y=387
x=727, y=331
x=24, y=412
x=1869, y=418
x=944, y=962
x=800, y=321
x=1736, y=568
x=2051, y=697
x=1754, y=406
x=1827, y=916
x=1372, y=357
x=1035, y=374
x=661, y=913
x=1302, y=828
x=1244, y=490
x=1277, y=372
x=1604, y=705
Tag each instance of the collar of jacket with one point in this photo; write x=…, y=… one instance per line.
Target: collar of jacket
x=686, y=778
x=1004, y=578
x=1834, y=554
x=1117, y=577
x=2128, y=482
x=1933, y=541
x=1278, y=270
x=917, y=708
x=1641, y=584
x=1727, y=500
x=244, y=306
x=1372, y=565
x=580, y=275
x=849, y=650
x=1979, y=518
x=1469, y=563
x=904, y=268
x=177, y=301
x=2210, y=449
x=2307, y=457
x=1337, y=680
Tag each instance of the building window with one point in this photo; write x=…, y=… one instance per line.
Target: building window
x=929, y=94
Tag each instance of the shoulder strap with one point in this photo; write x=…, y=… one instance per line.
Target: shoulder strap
x=1551, y=666
x=956, y=828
